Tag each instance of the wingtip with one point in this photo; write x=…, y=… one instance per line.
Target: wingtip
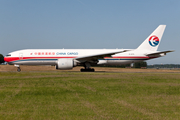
x=162, y=25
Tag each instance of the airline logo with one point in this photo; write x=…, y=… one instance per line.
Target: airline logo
x=53, y=53
x=153, y=41
x=43, y=53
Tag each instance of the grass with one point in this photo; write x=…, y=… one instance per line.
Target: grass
x=100, y=95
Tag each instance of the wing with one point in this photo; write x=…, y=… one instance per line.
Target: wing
x=158, y=53
x=95, y=57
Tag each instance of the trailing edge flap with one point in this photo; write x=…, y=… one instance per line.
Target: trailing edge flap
x=158, y=53
x=95, y=57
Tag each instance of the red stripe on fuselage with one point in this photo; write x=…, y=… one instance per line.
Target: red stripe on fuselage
x=137, y=57
x=10, y=59
x=129, y=57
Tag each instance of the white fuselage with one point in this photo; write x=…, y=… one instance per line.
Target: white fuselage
x=50, y=56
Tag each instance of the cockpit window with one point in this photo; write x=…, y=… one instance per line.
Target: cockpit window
x=8, y=55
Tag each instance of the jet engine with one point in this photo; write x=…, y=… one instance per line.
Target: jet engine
x=65, y=64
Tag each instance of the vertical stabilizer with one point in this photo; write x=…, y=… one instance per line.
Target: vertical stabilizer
x=152, y=42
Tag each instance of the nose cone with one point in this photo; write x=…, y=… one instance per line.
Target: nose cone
x=8, y=59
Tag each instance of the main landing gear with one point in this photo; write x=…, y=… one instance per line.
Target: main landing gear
x=87, y=68
x=18, y=68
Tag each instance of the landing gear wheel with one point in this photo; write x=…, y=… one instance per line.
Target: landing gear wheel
x=19, y=69
x=87, y=70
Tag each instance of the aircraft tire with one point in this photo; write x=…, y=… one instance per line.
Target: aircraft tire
x=19, y=70
x=87, y=70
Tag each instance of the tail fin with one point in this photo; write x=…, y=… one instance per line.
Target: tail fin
x=152, y=42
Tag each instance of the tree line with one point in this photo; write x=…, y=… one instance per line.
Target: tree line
x=164, y=66
x=1, y=59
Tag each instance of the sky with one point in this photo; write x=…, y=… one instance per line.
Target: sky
x=89, y=24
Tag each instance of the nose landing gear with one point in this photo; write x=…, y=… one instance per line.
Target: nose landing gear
x=18, y=68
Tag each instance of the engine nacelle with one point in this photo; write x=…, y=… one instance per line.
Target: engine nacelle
x=65, y=64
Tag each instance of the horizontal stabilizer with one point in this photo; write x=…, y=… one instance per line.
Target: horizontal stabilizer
x=158, y=53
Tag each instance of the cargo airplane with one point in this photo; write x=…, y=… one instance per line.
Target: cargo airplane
x=64, y=59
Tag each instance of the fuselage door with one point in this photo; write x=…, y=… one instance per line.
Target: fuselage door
x=20, y=56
